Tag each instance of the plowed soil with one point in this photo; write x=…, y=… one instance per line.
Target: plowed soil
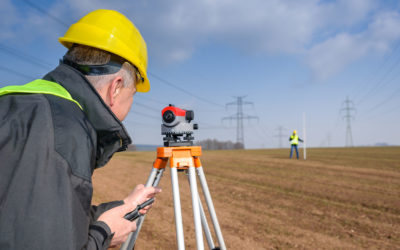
x=339, y=198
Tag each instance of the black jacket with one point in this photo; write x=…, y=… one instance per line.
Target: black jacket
x=49, y=149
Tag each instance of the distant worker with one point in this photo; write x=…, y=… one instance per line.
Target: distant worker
x=294, y=141
x=57, y=130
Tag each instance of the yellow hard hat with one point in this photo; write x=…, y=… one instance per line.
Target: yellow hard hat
x=294, y=131
x=111, y=31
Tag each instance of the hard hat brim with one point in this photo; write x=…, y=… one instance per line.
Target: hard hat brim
x=111, y=31
x=143, y=86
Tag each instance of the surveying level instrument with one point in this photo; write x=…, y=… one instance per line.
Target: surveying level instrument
x=176, y=126
x=183, y=157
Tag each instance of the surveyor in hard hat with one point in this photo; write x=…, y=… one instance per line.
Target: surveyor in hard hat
x=294, y=141
x=57, y=130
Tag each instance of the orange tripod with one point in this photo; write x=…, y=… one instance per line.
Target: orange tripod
x=184, y=159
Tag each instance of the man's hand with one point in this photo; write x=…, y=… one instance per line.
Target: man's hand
x=141, y=194
x=114, y=217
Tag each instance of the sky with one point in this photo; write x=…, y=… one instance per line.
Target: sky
x=295, y=65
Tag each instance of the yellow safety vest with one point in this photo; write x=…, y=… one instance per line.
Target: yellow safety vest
x=39, y=86
x=294, y=139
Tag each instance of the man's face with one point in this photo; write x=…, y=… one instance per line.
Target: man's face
x=123, y=102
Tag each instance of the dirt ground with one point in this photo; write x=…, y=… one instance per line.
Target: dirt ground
x=339, y=198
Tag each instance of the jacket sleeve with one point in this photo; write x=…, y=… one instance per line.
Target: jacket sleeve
x=100, y=234
x=96, y=211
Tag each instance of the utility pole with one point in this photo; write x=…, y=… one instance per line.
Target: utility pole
x=348, y=111
x=280, y=135
x=239, y=117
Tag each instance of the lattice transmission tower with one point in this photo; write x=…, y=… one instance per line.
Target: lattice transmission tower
x=239, y=117
x=348, y=111
x=280, y=135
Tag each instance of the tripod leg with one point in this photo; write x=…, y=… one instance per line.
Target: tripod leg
x=177, y=209
x=206, y=228
x=153, y=180
x=196, y=209
x=204, y=223
x=210, y=206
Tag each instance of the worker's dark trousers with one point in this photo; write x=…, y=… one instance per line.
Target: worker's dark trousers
x=291, y=151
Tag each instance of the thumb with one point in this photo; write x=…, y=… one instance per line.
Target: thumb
x=125, y=208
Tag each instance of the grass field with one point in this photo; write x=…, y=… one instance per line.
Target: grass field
x=339, y=198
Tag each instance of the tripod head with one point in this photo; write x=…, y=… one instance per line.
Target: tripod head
x=176, y=126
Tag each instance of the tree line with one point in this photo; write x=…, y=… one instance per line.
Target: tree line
x=213, y=144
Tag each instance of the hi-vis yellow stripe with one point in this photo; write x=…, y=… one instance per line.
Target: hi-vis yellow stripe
x=39, y=86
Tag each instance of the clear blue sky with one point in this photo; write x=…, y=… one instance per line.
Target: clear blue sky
x=287, y=57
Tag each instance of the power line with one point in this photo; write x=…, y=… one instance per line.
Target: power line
x=257, y=139
x=326, y=142
x=386, y=59
x=38, y=8
x=16, y=73
x=380, y=84
x=261, y=127
x=184, y=91
x=394, y=94
x=397, y=108
x=38, y=62
x=26, y=57
x=146, y=115
x=211, y=127
x=151, y=99
x=148, y=107
x=133, y=121
x=260, y=131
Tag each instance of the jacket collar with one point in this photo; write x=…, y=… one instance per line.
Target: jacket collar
x=111, y=134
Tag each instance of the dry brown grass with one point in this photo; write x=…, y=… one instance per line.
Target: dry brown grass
x=339, y=198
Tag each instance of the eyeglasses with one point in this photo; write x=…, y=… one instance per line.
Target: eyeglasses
x=139, y=77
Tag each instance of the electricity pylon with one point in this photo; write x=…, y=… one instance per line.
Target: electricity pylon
x=349, y=112
x=280, y=135
x=239, y=117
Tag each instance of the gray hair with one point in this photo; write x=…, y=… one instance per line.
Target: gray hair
x=85, y=55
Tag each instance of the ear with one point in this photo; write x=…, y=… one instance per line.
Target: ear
x=114, y=89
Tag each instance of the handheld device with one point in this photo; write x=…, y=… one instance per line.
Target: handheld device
x=135, y=213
